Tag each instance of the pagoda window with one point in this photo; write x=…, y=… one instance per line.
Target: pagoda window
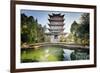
x=56, y=18
x=56, y=27
x=56, y=23
x=55, y=36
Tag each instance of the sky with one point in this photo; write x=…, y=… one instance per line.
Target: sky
x=42, y=17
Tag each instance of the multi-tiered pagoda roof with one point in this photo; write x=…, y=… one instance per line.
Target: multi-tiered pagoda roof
x=56, y=23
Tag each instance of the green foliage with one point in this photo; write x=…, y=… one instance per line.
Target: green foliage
x=73, y=30
x=74, y=27
x=31, y=31
x=62, y=38
x=47, y=38
x=69, y=38
x=81, y=31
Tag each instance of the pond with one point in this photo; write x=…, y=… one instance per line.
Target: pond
x=52, y=53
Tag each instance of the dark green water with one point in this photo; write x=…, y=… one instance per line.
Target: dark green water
x=47, y=54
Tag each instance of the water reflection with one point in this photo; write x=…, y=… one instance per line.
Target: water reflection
x=67, y=54
x=44, y=54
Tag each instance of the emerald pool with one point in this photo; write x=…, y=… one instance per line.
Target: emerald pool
x=52, y=53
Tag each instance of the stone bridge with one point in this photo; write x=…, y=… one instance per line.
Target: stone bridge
x=62, y=45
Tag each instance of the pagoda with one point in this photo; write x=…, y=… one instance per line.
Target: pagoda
x=56, y=24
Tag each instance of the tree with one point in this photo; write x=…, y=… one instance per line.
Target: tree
x=83, y=30
x=31, y=31
x=74, y=27
x=73, y=30
x=69, y=38
x=62, y=38
x=24, y=28
x=80, y=31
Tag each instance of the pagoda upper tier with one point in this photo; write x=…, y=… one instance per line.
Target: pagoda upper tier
x=56, y=22
x=56, y=17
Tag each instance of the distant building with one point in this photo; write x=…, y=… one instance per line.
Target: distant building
x=56, y=23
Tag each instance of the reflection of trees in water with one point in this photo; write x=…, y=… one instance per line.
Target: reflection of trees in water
x=46, y=54
x=76, y=55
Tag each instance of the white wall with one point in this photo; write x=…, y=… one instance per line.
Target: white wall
x=5, y=37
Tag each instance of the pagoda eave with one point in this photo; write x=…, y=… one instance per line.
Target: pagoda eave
x=56, y=24
x=55, y=20
x=56, y=29
x=55, y=15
